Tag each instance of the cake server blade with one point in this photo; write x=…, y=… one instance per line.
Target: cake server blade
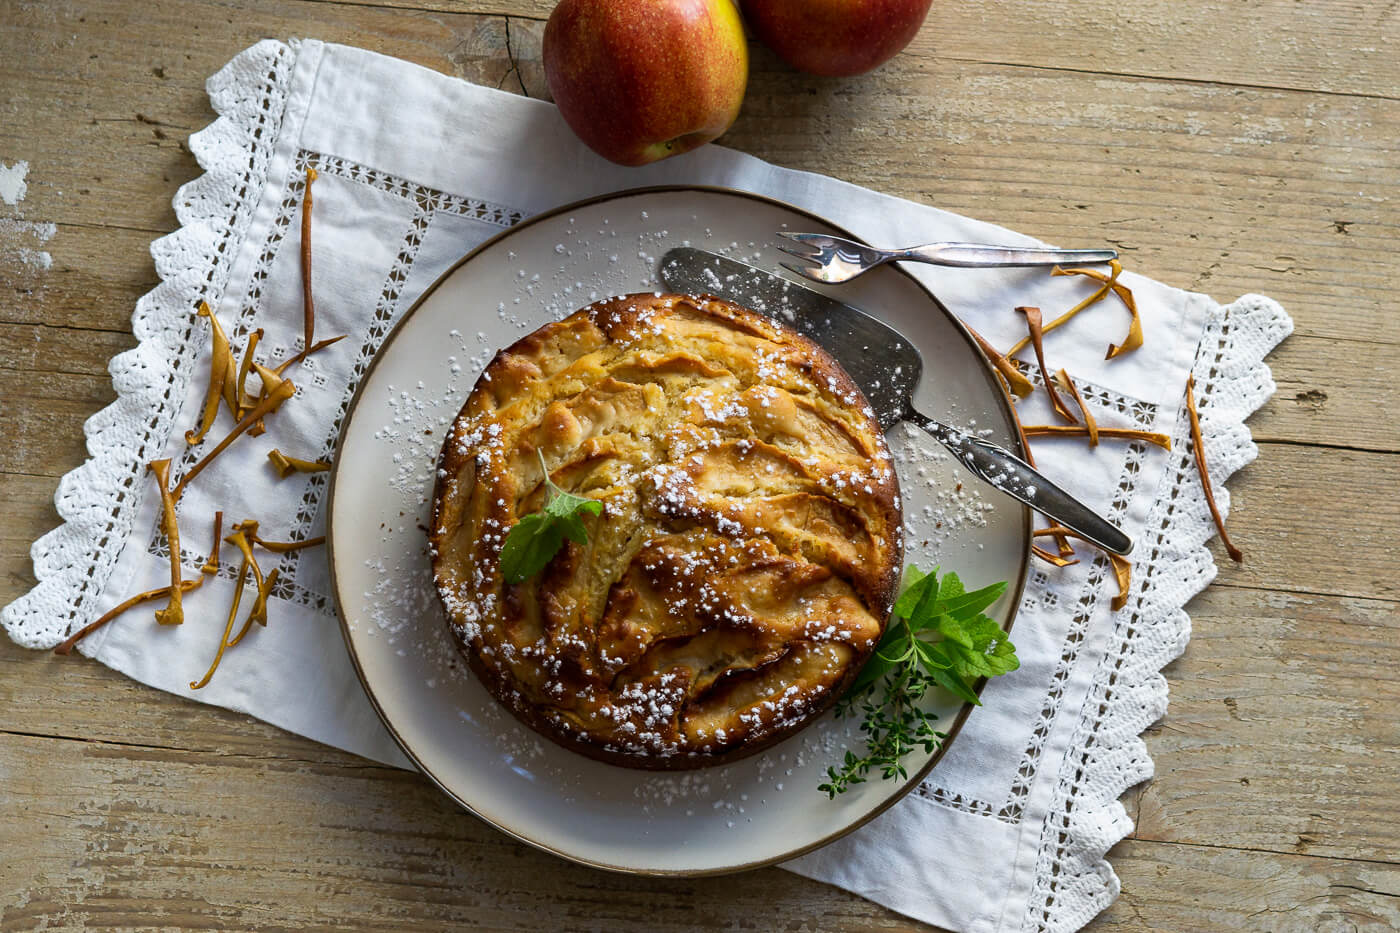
x=887, y=367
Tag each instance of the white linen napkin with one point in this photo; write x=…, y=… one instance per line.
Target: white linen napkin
x=1009, y=832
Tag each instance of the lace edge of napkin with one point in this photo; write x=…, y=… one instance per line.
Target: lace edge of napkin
x=1074, y=880
x=99, y=500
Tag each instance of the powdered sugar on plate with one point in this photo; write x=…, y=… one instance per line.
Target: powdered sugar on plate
x=756, y=809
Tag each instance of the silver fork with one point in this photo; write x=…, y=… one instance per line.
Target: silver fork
x=833, y=259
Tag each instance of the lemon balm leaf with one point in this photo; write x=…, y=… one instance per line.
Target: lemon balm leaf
x=537, y=537
x=530, y=545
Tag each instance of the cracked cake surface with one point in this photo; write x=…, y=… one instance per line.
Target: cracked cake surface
x=748, y=549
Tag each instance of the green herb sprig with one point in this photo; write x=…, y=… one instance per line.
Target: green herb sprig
x=537, y=537
x=937, y=636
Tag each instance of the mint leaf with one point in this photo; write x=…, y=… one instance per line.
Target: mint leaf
x=537, y=537
x=968, y=605
x=953, y=631
x=955, y=684
x=915, y=585
x=531, y=544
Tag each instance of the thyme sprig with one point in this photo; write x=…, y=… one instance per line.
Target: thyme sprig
x=938, y=636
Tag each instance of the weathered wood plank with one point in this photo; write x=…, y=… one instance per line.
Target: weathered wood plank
x=1180, y=173
x=86, y=76
x=1340, y=48
x=98, y=274
x=113, y=833
x=1166, y=128
x=1176, y=887
x=1281, y=732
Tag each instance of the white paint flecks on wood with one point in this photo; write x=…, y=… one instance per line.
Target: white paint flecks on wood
x=12, y=183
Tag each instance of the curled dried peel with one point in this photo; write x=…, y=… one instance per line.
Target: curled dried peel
x=1090, y=424
x=228, y=627
x=221, y=376
x=1110, y=283
x=1033, y=322
x=266, y=405
x=1078, y=430
x=1098, y=295
x=241, y=386
x=313, y=348
x=1198, y=450
x=67, y=645
x=186, y=586
x=258, y=613
x=286, y=465
x=1122, y=567
x=244, y=533
x=308, y=306
x=174, y=612
x=1017, y=384
x=1059, y=560
x=283, y=547
x=1123, y=572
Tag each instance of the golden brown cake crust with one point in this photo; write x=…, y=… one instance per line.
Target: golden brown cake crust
x=748, y=550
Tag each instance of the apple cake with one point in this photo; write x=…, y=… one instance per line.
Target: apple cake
x=746, y=554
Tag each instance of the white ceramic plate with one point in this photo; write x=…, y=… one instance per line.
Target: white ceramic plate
x=757, y=811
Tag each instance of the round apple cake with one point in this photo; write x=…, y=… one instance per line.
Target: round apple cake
x=745, y=556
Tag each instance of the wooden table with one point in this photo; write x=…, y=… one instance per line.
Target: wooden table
x=1226, y=147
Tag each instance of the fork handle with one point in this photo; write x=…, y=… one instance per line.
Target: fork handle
x=974, y=255
x=1019, y=480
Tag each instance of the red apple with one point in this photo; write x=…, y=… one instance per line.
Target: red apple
x=640, y=80
x=838, y=38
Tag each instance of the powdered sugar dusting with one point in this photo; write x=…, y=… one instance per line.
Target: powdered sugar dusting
x=578, y=261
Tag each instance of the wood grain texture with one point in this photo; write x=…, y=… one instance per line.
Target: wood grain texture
x=1228, y=148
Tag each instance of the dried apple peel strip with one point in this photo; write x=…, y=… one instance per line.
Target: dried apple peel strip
x=1059, y=560
x=286, y=465
x=1198, y=448
x=174, y=612
x=317, y=347
x=1110, y=281
x=1018, y=384
x=1123, y=572
x=186, y=586
x=243, y=533
x=258, y=613
x=1033, y=322
x=1078, y=430
x=1098, y=295
x=68, y=644
x=211, y=566
x=265, y=406
x=308, y=307
x=220, y=368
x=1122, y=567
x=228, y=627
x=1090, y=423
x=283, y=547
x=240, y=387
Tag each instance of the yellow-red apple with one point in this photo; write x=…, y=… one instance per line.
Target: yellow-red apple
x=640, y=80
x=838, y=38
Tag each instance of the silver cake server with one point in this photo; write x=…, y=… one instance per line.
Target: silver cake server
x=887, y=367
